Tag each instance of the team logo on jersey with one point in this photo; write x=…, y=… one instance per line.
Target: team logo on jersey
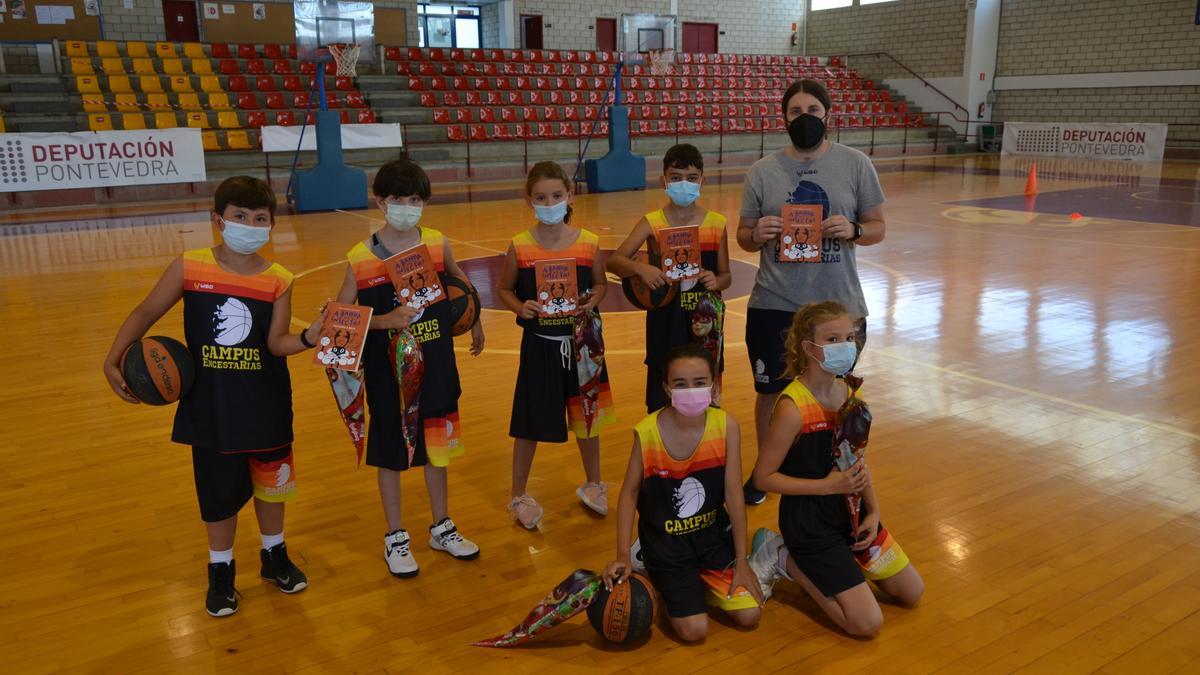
x=689, y=497
x=231, y=322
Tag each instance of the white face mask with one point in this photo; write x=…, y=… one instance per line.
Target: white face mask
x=403, y=217
x=244, y=239
x=551, y=215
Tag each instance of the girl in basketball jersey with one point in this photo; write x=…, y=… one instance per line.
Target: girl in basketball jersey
x=238, y=414
x=817, y=548
x=401, y=190
x=547, y=384
x=685, y=460
x=667, y=327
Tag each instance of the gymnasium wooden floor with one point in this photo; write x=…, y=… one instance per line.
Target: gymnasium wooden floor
x=1036, y=449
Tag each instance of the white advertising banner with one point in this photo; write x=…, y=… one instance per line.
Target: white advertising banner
x=59, y=161
x=354, y=137
x=1081, y=139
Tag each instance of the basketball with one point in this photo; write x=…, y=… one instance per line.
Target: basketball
x=158, y=370
x=638, y=293
x=689, y=497
x=232, y=323
x=624, y=614
x=464, y=304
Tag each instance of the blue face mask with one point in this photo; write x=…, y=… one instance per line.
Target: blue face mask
x=683, y=192
x=244, y=239
x=551, y=215
x=839, y=357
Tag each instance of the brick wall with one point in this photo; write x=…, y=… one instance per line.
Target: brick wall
x=489, y=16
x=1100, y=36
x=926, y=35
x=20, y=59
x=1097, y=36
x=143, y=22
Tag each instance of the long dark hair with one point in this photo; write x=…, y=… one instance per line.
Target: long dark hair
x=806, y=86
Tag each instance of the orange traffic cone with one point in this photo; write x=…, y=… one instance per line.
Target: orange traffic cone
x=1031, y=187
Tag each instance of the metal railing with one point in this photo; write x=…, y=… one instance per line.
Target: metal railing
x=910, y=71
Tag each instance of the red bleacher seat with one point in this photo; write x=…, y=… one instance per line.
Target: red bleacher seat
x=462, y=115
x=441, y=116
x=238, y=83
x=275, y=101
x=478, y=132
x=256, y=67
x=427, y=70
x=416, y=84
x=293, y=83
x=508, y=115
x=285, y=118
x=247, y=101
x=228, y=67
x=416, y=54
x=355, y=99
x=435, y=83
x=332, y=101
x=487, y=114
x=256, y=119
x=343, y=83
x=219, y=50
x=264, y=83
x=300, y=100
x=282, y=67
x=456, y=134
x=246, y=51
x=393, y=54
x=273, y=51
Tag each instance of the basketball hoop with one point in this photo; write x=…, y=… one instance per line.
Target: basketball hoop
x=346, y=58
x=660, y=61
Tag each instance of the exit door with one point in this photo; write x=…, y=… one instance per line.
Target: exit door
x=531, y=32
x=700, y=38
x=179, y=21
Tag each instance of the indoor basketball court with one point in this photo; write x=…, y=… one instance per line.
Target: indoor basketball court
x=1030, y=310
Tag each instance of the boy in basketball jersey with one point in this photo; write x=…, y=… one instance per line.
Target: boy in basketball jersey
x=401, y=190
x=238, y=415
x=670, y=326
x=685, y=461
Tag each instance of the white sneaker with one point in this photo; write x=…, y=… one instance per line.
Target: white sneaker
x=764, y=559
x=594, y=496
x=635, y=556
x=398, y=556
x=444, y=536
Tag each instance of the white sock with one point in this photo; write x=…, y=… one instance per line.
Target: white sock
x=270, y=541
x=220, y=556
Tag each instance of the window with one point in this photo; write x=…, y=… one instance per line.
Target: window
x=818, y=5
x=874, y=2
x=448, y=26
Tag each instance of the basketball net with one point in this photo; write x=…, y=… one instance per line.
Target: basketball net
x=346, y=58
x=660, y=60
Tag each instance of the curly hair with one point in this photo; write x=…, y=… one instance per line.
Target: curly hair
x=804, y=326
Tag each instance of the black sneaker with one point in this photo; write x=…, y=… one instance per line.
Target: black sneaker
x=222, y=597
x=277, y=567
x=753, y=495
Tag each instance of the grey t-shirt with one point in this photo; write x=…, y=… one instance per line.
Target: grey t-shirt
x=843, y=181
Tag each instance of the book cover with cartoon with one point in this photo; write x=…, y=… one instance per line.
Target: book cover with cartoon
x=800, y=240
x=557, y=286
x=343, y=334
x=415, y=278
x=680, y=251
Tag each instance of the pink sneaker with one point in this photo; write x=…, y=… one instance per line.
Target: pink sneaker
x=594, y=496
x=526, y=510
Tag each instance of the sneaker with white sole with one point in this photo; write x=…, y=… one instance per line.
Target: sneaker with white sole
x=635, y=556
x=399, y=557
x=594, y=496
x=222, y=596
x=764, y=559
x=444, y=536
x=278, y=567
x=526, y=510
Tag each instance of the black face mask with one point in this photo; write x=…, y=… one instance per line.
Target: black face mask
x=807, y=131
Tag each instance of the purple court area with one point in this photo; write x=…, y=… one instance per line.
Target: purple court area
x=1177, y=205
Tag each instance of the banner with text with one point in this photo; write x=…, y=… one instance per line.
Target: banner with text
x=354, y=137
x=1081, y=139
x=58, y=161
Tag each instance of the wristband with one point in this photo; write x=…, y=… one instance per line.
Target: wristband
x=304, y=339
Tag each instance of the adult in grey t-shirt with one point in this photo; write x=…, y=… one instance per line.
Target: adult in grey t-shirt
x=811, y=170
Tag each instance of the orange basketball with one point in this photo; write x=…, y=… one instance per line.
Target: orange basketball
x=464, y=304
x=625, y=613
x=158, y=370
x=637, y=292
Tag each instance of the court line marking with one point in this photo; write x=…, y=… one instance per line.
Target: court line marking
x=967, y=227
x=887, y=353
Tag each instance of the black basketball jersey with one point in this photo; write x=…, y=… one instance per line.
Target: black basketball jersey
x=242, y=397
x=682, y=496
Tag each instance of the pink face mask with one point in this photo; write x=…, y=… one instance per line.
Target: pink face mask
x=691, y=402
